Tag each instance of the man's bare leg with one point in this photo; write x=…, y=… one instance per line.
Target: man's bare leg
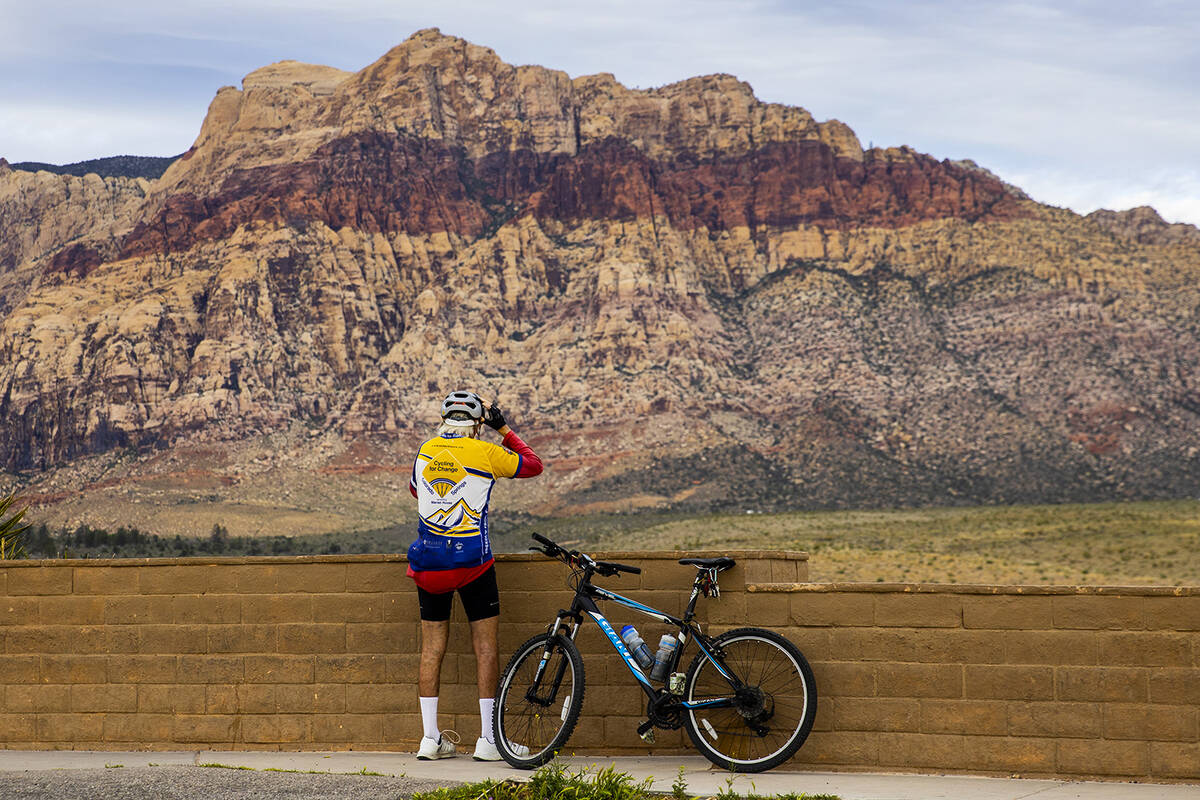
x=485, y=634
x=433, y=650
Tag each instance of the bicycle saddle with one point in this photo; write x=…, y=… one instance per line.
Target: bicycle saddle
x=724, y=562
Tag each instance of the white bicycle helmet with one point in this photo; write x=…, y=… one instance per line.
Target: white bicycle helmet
x=462, y=409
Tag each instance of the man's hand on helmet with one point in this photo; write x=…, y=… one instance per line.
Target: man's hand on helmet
x=493, y=417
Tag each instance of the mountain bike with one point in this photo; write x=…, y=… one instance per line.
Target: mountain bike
x=747, y=700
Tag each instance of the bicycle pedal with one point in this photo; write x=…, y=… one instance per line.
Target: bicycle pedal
x=648, y=736
x=646, y=731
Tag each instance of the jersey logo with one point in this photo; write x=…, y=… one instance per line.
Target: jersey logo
x=459, y=517
x=443, y=473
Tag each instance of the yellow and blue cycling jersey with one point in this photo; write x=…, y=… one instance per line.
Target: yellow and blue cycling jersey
x=452, y=478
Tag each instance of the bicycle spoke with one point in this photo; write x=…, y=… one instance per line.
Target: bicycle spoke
x=766, y=722
x=532, y=723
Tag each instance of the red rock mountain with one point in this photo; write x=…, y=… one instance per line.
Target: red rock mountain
x=684, y=297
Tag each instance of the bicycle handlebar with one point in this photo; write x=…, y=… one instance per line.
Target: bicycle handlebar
x=615, y=567
x=574, y=558
x=537, y=537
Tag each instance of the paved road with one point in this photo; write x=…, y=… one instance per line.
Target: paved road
x=65, y=775
x=202, y=783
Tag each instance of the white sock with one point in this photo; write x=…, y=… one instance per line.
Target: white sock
x=486, y=706
x=429, y=717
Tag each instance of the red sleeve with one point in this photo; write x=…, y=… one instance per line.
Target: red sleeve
x=529, y=464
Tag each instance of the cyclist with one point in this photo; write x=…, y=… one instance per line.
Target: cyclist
x=452, y=479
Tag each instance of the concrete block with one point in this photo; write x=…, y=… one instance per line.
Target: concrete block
x=1099, y=612
x=1103, y=684
x=1007, y=682
x=39, y=580
x=919, y=680
x=922, y=751
x=1055, y=719
x=837, y=609
x=210, y=669
x=71, y=610
x=907, y=610
x=174, y=579
x=311, y=638
x=1175, y=760
x=1151, y=722
x=1049, y=647
x=1008, y=613
x=1088, y=757
x=280, y=669
x=975, y=717
x=1010, y=754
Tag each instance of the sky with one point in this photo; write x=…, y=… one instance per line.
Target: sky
x=1082, y=104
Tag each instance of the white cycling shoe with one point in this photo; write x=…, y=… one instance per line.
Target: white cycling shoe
x=432, y=749
x=487, y=751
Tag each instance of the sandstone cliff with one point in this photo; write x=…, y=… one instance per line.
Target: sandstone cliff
x=688, y=297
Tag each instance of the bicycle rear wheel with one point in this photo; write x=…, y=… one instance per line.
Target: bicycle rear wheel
x=769, y=718
x=538, y=700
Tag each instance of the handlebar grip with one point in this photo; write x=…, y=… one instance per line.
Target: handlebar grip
x=537, y=537
x=613, y=567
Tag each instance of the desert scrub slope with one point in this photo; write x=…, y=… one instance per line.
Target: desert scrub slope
x=1140, y=543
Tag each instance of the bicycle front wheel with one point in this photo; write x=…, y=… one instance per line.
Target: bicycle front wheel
x=762, y=723
x=538, y=700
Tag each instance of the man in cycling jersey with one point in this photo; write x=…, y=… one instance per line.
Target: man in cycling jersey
x=452, y=479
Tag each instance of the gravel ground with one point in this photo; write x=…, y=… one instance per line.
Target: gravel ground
x=205, y=783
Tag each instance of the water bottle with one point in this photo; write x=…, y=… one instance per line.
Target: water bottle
x=662, y=659
x=641, y=653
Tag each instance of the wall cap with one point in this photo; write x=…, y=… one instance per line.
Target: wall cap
x=671, y=555
x=192, y=561
x=360, y=558
x=968, y=588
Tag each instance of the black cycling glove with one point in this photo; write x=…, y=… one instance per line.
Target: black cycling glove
x=493, y=417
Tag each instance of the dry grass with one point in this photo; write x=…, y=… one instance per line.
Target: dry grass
x=1144, y=543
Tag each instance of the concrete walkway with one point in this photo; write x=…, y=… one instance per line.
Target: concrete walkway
x=701, y=779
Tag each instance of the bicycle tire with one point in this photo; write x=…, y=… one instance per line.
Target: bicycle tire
x=517, y=720
x=784, y=691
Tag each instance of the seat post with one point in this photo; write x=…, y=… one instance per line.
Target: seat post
x=710, y=565
x=691, y=606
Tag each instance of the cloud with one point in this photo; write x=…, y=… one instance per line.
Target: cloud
x=1175, y=194
x=60, y=134
x=1091, y=95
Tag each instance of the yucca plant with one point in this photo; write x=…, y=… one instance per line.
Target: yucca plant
x=12, y=532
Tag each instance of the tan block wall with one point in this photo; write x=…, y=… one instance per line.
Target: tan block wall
x=1088, y=681
x=313, y=653
x=316, y=653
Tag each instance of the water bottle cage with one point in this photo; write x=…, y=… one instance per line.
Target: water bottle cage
x=708, y=583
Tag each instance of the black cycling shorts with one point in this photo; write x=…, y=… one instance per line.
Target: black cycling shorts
x=480, y=599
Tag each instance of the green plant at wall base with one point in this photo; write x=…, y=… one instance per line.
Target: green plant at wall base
x=729, y=793
x=679, y=787
x=12, y=532
x=554, y=782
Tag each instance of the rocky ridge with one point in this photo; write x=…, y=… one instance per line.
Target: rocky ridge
x=687, y=297
x=1144, y=226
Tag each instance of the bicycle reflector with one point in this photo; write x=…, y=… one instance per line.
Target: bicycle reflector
x=708, y=583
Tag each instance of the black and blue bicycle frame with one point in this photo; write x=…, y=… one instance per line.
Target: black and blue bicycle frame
x=585, y=603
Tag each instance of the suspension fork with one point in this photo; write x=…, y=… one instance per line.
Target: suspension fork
x=560, y=628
